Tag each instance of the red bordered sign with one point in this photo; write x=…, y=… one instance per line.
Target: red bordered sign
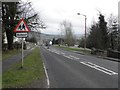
x=21, y=27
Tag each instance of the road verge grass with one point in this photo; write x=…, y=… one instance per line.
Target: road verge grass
x=82, y=50
x=31, y=71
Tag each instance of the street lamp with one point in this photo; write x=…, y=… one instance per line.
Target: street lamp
x=85, y=29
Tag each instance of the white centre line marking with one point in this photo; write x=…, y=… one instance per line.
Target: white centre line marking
x=99, y=68
x=67, y=56
x=62, y=53
x=73, y=57
x=57, y=52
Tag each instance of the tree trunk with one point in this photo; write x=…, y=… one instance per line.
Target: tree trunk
x=9, y=34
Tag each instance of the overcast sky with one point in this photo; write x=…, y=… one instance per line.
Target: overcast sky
x=53, y=12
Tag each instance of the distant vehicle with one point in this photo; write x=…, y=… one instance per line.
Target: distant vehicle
x=50, y=42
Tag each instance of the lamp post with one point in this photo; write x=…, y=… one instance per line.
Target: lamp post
x=85, y=29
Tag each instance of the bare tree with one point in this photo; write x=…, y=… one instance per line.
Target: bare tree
x=68, y=33
x=111, y=19
x=12, y=12
x=113, y=31
x=32, y=18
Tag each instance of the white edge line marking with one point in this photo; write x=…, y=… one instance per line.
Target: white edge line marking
x=48, y=81
x=54, y=51
x=85, y=63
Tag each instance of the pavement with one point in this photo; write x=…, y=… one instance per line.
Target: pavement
x=109, y=58
x=67, y=69
x=14, y=59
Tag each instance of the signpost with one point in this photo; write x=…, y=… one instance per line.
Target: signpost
x=21, y=31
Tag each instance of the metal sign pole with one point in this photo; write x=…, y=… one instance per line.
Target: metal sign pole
x=22, y=54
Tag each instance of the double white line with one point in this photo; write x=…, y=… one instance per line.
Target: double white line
x=99, y=68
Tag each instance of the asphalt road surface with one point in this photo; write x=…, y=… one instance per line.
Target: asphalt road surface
x=71, y=70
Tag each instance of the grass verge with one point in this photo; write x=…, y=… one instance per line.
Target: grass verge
x=7, y=54
x=75, y=49
x=32, y=70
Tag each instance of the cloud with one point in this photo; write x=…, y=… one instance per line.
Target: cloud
x=55, y=11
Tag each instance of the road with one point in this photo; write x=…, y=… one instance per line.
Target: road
x=71, y=70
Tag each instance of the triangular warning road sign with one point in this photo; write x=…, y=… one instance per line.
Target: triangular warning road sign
x=21, y=27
